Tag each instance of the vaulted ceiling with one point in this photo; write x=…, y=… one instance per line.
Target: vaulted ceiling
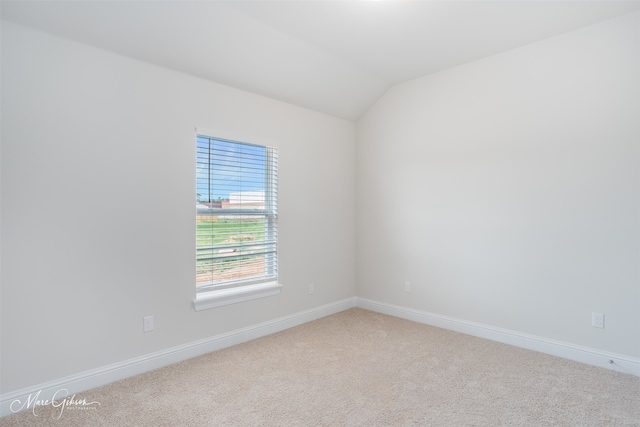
x=336, y=57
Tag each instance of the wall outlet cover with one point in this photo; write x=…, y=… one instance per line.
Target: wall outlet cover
x=597, y=320
x=147, y=324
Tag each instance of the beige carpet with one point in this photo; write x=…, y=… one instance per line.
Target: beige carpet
x=359, y=368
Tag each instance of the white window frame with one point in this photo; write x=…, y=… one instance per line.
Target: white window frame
x=240, y=290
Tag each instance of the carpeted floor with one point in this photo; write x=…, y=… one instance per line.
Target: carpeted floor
x=359, y=368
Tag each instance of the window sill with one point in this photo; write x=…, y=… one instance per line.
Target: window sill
x=211, y=299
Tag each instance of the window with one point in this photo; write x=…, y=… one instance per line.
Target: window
x=236, y=221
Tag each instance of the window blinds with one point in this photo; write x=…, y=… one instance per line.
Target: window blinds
x=236, y=213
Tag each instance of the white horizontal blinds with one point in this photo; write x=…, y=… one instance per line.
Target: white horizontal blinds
x=236, y=213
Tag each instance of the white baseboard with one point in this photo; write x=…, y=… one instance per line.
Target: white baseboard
x=591, y=356
x=107, y=374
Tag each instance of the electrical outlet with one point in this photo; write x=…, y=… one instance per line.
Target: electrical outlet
x=407, y=286
x=597, y=320
x=312, y=288
x=147, y=324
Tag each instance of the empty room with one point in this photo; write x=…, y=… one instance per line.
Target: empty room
x=419, y=213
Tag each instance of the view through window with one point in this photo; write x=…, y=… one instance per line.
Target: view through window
x=236, y=213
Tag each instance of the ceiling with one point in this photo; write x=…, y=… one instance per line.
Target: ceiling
x=336, y=57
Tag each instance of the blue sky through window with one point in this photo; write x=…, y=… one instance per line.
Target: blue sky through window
x=224, y=167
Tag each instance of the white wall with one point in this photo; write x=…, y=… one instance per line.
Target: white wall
x=98, y=192
x=507, y=190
